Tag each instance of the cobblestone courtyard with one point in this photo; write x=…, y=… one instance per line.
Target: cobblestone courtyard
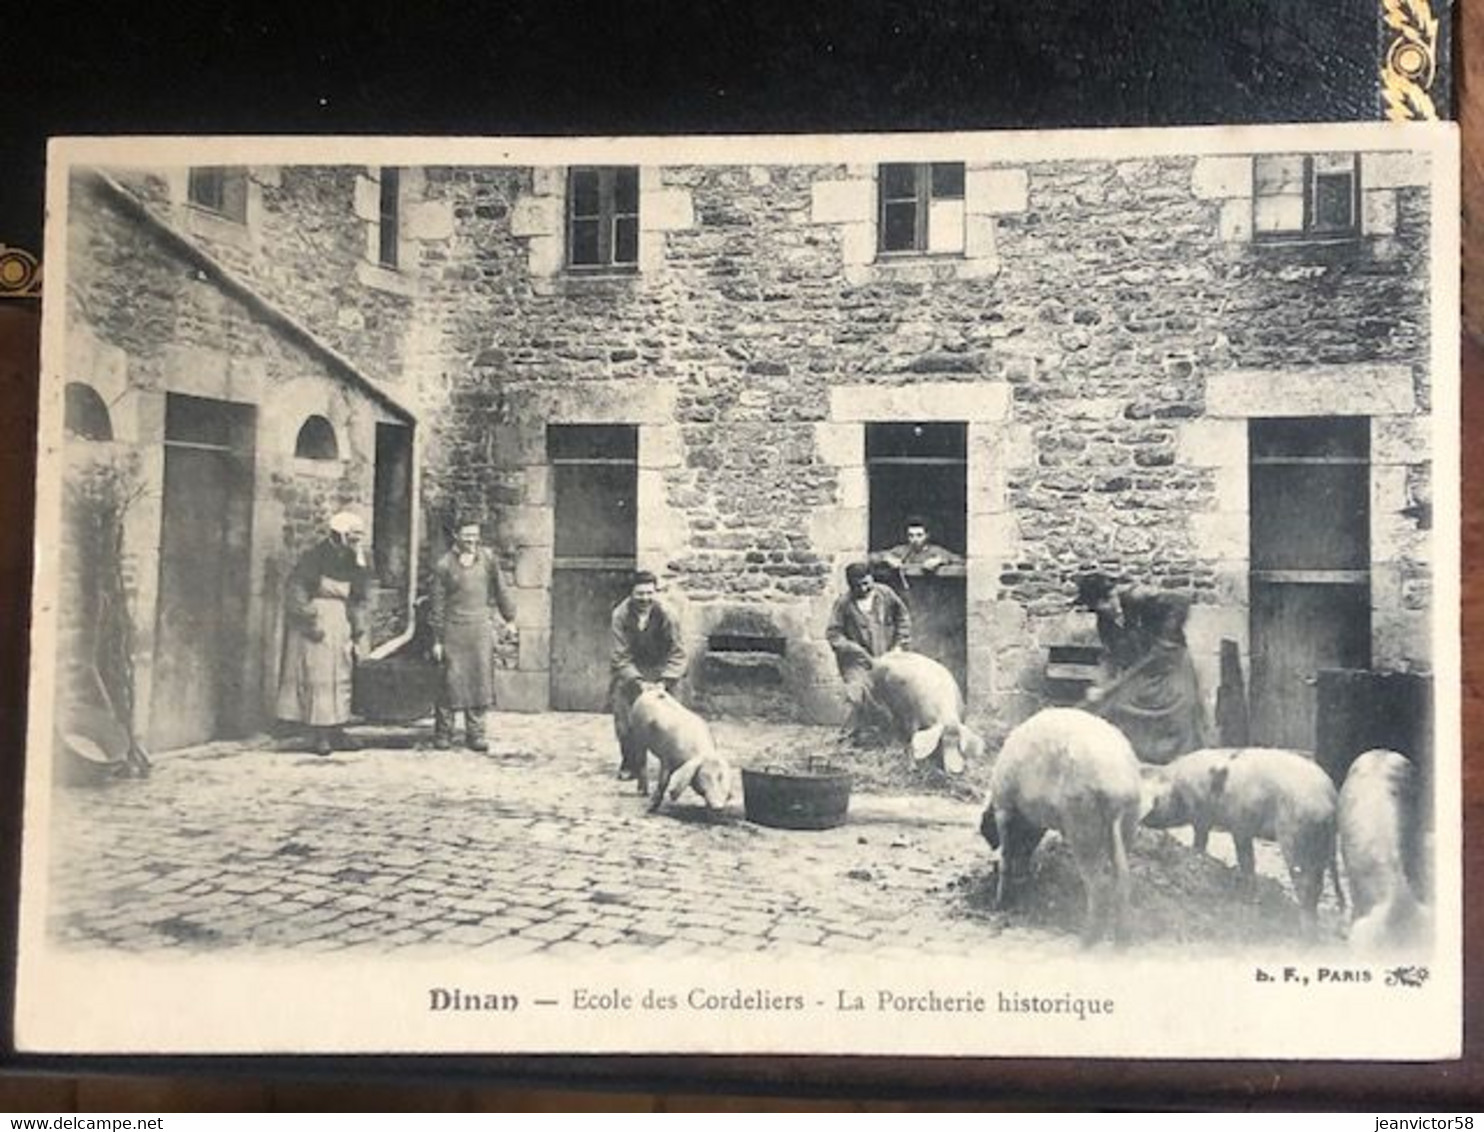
x=536, y=847
x=533, y=847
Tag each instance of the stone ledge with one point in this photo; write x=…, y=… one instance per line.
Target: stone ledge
x=1219, y=178
x=1212, y=443
x=666, y=210
x=430, y=220
x=535, y=216
x=1379, y=212
x=841, y=202
x=976, y=401
x=1393, y=171
x=996, y=192
x=1313, y=391
x=597, y=402
x=840, y=445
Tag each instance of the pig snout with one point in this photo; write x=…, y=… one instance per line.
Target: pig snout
x=713, y=782
x=989, y=827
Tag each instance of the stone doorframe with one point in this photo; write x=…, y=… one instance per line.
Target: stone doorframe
x=996, y=445
x=529, y=529
x=1400, y=457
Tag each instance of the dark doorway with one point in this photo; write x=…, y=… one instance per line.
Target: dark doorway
x=595, y=491
x=1311, y=581
x=921, y=471
x=392, y=504
x=200, y=658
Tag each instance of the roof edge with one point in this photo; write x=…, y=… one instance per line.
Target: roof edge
x=245, y=292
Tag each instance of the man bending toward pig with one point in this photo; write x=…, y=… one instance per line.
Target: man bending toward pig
x=647, y=650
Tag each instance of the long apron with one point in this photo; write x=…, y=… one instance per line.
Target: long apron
x=315, y=683
x=468, y=637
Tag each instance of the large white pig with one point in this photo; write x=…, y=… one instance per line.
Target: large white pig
x=680, y=739
x=1378, y=822
x=1074, y=772
x=1253, y=793
x=926, y=707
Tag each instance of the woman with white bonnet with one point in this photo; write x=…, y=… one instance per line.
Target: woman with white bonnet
x=325, y=627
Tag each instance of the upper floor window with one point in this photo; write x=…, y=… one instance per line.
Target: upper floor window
x=1306, y=195
x=221, y=189
x=389, y=222
x=921, y=207
x=603, y=216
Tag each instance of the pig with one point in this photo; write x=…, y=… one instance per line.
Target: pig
x=1072, y=771
x=1183, y=792
x=925, y=705
x=1378, y=831
x=1254, y=792
x=663, y=726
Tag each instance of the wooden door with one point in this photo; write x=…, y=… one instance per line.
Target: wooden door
x=595, y=487
x=201, y=607
x=1310, y=593
x=921, y=471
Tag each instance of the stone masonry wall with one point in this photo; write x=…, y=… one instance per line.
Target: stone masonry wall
x=142, y=322
x=1113, y=292
x=308, y=244
x=1078, y=338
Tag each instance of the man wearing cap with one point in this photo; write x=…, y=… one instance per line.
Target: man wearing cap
x=647, y=649
x=866, y=621
x=466, y=582
x=325, y=629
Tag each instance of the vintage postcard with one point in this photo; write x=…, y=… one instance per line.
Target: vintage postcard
x=979, y=594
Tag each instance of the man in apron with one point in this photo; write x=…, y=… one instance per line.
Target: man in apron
x=466, y=582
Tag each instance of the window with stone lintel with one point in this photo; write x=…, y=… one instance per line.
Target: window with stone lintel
x=1313, y=196
x=603, y=218
x=920, y=208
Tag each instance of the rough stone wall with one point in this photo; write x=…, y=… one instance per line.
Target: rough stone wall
x=308, y=245
x=1107, y=295
x=142, y=322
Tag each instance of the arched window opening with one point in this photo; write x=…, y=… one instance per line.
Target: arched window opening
x=86, y=415
x=317, y=440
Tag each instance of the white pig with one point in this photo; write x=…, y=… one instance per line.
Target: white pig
x=1072, y=771
x=1265, y=793
x=680, y=739
x=1378, y=822
x=926, y=707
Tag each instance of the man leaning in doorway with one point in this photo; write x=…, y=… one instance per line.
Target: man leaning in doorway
x=647, y=649
x=325, y=632
x=866, y=621
x=919, y=552
x=466, y=581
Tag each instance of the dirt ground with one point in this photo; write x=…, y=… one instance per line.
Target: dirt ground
x=1178, y=895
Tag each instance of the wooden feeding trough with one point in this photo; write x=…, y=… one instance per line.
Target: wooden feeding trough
x=815, y=796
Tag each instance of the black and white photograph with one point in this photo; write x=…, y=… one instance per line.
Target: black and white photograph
x=950, y=594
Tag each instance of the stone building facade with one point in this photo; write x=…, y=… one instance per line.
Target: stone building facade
x=210, y=408
x=1110, y=336
x=1169, y=369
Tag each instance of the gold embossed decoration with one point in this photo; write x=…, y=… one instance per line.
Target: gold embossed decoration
x=20, y=274
x=1410, y=65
